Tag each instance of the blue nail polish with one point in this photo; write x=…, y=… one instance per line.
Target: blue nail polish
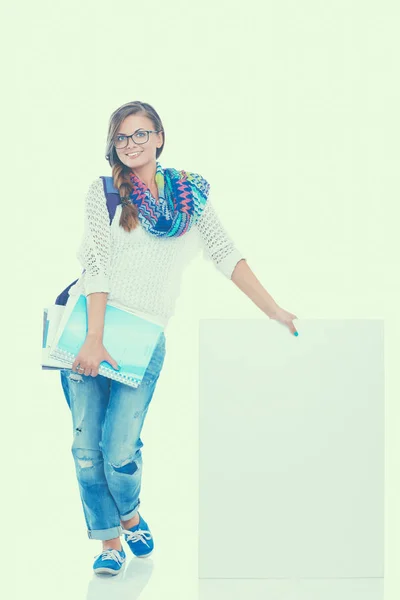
x=296, y=333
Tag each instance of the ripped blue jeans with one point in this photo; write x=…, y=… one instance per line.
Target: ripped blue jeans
x=107, y=419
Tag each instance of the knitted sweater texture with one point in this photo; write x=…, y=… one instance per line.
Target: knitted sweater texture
x=139, y=270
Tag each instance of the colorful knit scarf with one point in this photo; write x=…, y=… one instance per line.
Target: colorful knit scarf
x=182, y=198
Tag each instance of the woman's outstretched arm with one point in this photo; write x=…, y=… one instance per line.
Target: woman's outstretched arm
x=246, y=281
x=244, y=278
x=219, y=247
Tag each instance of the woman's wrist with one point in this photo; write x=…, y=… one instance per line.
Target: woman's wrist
x=271, y=309
x=94, y=336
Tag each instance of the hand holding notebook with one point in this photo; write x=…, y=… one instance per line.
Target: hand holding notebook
x=128, y=337
x=91, y=354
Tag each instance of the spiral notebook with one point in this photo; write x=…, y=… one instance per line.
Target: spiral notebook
x=129, y=337
x=51, y=320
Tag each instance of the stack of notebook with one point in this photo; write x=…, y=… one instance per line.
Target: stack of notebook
x=128, y=336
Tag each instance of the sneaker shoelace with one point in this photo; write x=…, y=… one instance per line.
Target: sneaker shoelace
x=110, y=554
x=140, y=535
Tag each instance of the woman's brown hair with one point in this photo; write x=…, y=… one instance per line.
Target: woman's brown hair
x=120, y=172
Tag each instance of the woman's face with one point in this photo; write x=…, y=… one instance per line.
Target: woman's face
x=146, y=151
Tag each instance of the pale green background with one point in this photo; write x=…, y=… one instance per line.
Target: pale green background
x=289, y=109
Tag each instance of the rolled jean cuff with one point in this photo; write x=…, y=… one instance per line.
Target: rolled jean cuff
x=130, y=514
x=104, y=534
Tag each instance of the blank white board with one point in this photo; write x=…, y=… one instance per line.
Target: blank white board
x=291, y=455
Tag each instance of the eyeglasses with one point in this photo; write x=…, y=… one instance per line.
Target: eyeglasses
x=141, y=136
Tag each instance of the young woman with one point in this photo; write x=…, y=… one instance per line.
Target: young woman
x=164, y=217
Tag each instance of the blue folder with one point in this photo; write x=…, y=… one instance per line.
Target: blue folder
x=130, y=339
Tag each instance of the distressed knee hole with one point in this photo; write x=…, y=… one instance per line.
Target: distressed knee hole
x=85, y=463
x=129, y=467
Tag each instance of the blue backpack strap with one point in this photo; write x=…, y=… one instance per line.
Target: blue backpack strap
x=113, y=199
x=112, y=195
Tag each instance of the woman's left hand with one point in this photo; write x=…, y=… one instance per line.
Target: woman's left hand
x=284, y=317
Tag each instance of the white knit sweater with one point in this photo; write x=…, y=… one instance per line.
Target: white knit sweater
x=139, y=270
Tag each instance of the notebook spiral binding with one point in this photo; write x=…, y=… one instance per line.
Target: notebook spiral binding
x=106, y=371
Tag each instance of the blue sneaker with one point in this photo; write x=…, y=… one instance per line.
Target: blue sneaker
x=139, y=538
x=109, y=561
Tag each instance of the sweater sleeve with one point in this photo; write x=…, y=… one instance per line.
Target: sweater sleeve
x=94, y=250
x=216, y=243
